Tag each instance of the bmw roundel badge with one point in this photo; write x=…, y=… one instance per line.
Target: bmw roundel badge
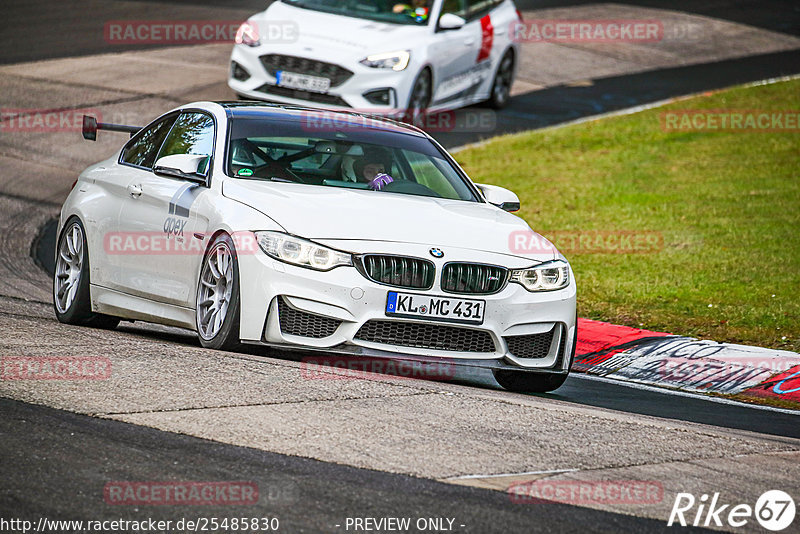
x=436, y=252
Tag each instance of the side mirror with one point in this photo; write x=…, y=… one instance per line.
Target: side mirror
x=183, y=166
x=500, y=197
x=451, y=21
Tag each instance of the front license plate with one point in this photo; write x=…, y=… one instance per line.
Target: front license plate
x=451, y=310
x=292, y=80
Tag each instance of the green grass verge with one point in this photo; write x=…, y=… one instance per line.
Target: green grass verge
x=726, y=203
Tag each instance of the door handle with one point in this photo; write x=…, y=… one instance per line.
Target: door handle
x=135, y=190
x=469, y=42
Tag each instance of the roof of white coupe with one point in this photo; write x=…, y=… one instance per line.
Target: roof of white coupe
x=292, y=113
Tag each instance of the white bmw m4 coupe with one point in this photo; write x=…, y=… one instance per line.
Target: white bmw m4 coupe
x=271, y=225
x=388, y=57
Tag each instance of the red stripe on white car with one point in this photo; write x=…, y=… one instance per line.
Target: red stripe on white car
x=487, y=38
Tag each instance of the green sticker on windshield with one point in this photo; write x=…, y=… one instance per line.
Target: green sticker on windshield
x=245, y=172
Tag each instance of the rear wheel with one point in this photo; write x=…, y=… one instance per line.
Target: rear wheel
x=217, y=306
x=71, y=298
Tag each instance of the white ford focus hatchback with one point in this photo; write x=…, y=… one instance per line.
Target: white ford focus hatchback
x=380, y=56
x=262, y=224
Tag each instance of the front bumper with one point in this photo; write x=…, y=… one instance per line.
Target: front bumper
x=261, y=85
x=349, y=300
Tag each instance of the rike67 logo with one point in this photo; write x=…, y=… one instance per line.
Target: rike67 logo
x=774, y=510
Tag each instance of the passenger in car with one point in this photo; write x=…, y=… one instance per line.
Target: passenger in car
x=372, y=168
x=418, y=9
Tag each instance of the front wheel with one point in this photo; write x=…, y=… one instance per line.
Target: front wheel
x=501, y=86
x=217, y=306
x=525, y=382
x=420, y=99
x=71, y=298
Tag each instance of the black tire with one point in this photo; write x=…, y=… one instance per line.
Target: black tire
x=78, y=310
x=226, y=337
x=420, y=99
x=501, y=85
x=526, y=382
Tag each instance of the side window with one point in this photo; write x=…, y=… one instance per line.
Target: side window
x=479, y=8
x=143, y=149
x=193, y=133
x=456, y=7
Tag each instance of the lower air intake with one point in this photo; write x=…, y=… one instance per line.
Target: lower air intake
x=532, y=345
x=299, y=323
x=426, y=336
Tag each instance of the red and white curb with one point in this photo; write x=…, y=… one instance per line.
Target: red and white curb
x=684, y=363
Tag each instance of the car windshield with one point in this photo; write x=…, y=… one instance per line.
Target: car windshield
x=392, y=11
x=347, y=156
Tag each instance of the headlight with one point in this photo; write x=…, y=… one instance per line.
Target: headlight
x=302, y=252
x=247, y=34
x=545, y=277
x=391, y=60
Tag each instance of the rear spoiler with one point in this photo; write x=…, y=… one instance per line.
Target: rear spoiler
x=90, y=127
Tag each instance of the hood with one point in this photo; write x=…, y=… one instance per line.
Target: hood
x=331, y=213
x=323, y=33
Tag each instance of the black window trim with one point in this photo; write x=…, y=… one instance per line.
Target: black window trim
x=177, y=114
x=141, y=132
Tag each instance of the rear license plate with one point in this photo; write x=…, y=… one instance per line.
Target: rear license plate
x=304, y=82
x=447, y=309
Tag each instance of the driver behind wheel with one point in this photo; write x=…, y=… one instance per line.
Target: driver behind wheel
x=372, y=167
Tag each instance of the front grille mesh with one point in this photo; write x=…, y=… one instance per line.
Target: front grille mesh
x=300, y=65
x=426, y=336
x=473, y=278
x=321, y=98
x=532, y=345
x=299, y=323
x=411, y=273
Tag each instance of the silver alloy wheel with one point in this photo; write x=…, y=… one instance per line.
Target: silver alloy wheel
x=68, y=267
x=502, y=82
x=419, y=99
x=214, y=293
